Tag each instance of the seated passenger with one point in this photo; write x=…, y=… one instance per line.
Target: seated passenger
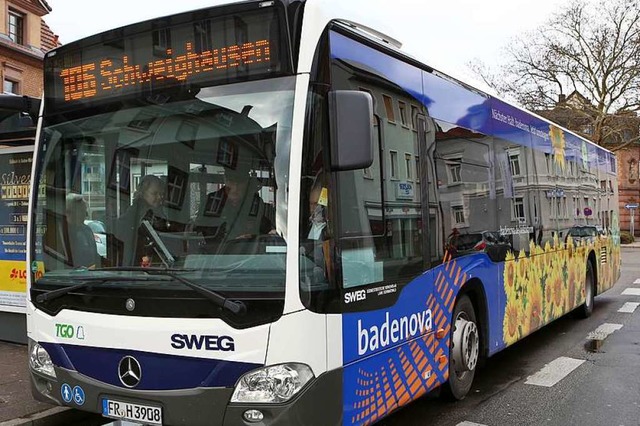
x=318, y=214
x=82, y=243
x=235, y=211
x=315, y=239
x=147, y=204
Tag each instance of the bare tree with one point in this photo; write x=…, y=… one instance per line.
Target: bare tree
x=592, y=49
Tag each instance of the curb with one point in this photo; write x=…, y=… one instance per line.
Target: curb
x=52, y=417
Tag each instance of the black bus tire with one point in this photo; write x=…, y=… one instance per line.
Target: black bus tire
x=586, y=309
x=464, y=350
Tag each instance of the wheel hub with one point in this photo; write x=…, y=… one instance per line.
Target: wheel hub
x=466, y=345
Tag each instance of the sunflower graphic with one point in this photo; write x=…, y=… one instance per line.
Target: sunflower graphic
x=558, y=291
x=511, y=326
x=558, y=142
x=510, y=275
x=534, y=314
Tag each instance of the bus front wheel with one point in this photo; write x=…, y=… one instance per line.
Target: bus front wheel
x=464, y=350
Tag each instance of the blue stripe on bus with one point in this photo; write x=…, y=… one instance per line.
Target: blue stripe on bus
x=159, y=371
x=382, y=376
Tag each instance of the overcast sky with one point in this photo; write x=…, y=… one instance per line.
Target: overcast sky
x=445, y=34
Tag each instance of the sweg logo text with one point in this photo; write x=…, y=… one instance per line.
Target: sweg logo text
x=392, y=331
x=355, y=296
x=208, y=343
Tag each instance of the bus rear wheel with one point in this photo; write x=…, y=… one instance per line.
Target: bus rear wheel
x=586, y=309
x=464, y=350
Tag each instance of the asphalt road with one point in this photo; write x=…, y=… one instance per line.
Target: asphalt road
x=603, y=389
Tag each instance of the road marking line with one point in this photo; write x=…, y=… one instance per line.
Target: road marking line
x=629, y=307
x=631, y=292
x=553, y=372
x=637, y=281
x=603, y=331
x=469, y=424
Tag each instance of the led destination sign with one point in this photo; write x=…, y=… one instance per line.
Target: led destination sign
x=198, y=50
x=95, y=78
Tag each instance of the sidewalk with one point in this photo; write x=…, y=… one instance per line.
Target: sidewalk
x=17, y=406
x=633, y=245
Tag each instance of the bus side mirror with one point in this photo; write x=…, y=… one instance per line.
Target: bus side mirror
x=351, y=129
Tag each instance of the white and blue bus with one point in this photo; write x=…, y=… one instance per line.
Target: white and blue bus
x=302, y=224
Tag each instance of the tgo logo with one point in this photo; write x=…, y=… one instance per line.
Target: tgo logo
x=65, y=331
x=208, y=343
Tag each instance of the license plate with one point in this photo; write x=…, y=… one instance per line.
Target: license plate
x=146, y=414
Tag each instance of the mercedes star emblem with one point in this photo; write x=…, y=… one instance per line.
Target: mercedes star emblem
x=129, y=371
x=130, y=305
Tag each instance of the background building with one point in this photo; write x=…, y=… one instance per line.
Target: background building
x=621, y=131
x=24, y=39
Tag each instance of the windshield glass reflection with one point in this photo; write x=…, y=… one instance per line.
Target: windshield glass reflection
x=193, y=185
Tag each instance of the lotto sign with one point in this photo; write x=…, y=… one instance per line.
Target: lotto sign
x=15, y=182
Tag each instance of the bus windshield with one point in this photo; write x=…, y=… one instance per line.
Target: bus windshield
x=196, y=186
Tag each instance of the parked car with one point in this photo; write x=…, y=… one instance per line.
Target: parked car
x=99, y=234
x=584, y=233
x=491, y=242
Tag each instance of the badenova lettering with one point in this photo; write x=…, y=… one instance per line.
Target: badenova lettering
x=392, y=331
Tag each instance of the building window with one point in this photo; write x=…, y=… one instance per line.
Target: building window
x=161, y=43
x=16, y=27
x=227, y=154
x=417, y=169
x=514, y=163
x=394, y=164
x=11, y=87
x=518, y=209
x=549, y=160
x=402, y=107
x=455, y=170
x=373, y=99
x=458, y=215
x=414, y=117
x=203, y=37
x=388, y=106
x=407, y=162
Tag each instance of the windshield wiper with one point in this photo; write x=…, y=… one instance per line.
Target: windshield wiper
x=237, y=307
x=54, y=294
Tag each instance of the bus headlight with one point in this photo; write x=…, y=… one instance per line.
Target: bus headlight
x=273, y=384
x=40, y=361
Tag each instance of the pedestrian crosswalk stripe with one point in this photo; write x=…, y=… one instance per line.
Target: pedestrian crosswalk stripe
x=637, y=281
x=603, y=331
x=553, y=372
x=631, y=292
x=629, y=307
x=469, y=424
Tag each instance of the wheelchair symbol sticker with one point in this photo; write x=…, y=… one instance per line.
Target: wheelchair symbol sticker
x=65, y=390
x=78, y=395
